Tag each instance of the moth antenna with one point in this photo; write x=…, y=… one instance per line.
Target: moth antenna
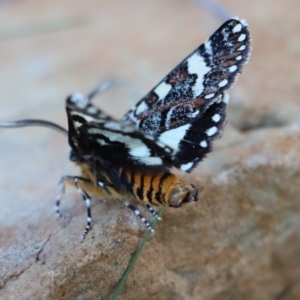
x=33, y=122
x=216, y=9
x=100, y=89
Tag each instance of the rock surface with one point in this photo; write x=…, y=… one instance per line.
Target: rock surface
x=240, y=241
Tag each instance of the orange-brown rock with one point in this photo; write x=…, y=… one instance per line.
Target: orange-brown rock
x=240, y=241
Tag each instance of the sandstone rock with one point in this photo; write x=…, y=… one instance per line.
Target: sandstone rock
x=240, y=241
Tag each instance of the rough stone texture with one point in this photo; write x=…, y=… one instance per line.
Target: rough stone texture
x=240, y=241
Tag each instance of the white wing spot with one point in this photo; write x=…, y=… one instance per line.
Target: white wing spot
x=128, y=129
x=216, y=118
x=242, y=37
x=223, y=83
x=186, y=167
x=244, y=22
x=113, y=125
x=243, y=47
x=232, y=69
x=208, y=47
x=101, y=142
x=237, y=28
x=211, y=131
x=92, y=110
x=85, y=116
x=225, y=34
x=173, y=137
x=141, y=108
x=203, y=144
x=77, y=124
x=219, y=99
x=151, y=160
x=138, y=148
x=168, y=117
x=162, y=90
x=239, y=57
x=197, y=65
x=226, y=98
x=209, y=96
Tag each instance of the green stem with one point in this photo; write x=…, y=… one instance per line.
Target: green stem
x=134, y=259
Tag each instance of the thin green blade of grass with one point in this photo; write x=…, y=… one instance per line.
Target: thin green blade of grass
x=134, y=258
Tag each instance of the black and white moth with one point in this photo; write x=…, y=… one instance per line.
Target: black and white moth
x=172, y=126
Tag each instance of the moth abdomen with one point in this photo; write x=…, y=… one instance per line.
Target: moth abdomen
x=162, y=189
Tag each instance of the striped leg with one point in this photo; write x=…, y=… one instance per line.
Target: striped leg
x=138, y=213
x=153, y=212
x=61, y=187
x=74, y=180
x=87, y=200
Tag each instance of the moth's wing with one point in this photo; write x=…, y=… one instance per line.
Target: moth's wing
x=123, y=146
x=174, y=108
x=188, y=90
x=80, y=111
x=95, y=135
x=197, y=137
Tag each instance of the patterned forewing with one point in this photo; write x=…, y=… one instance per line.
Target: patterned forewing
x=184, y=94
x=180, y=108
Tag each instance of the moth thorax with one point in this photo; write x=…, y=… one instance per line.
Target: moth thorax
x=181, y=193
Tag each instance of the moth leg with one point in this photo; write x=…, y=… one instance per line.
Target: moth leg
x=74, y=180
x=61, y=187
x=138, y=213
x=87, y=200
x=153, y=212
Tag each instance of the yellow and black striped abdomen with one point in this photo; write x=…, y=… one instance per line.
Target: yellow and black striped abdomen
x=157, y=188
x=161, y=189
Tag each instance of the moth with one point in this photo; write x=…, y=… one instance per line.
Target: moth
x=173, y=126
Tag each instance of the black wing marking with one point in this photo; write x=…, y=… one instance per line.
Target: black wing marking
x=94, y=134
x=80, y=111
x=185, y=93
x=198, y=138
x=183, y=96
x=123, y=145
